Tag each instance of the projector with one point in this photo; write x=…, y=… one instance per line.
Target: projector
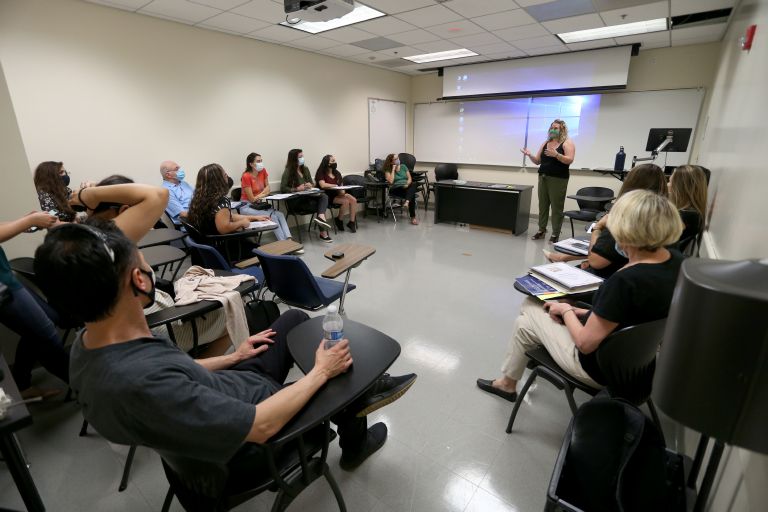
x=318, y=10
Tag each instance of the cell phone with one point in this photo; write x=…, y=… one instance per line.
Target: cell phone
x=337, y=255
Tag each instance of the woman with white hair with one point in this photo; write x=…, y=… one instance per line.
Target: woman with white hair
x=644, y=224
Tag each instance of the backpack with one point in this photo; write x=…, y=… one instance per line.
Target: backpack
x=260, y=314
x=615, y=460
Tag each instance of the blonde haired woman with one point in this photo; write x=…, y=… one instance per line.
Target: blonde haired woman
x=554, y=158
x=643, y=224
x=688, y=191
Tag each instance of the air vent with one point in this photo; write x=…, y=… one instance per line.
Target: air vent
x=701, y=18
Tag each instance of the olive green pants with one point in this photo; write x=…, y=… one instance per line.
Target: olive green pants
x=551, y=194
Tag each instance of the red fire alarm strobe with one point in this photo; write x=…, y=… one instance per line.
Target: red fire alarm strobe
x=746, y=39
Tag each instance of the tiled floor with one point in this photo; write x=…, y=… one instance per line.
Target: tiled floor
x=445, y=293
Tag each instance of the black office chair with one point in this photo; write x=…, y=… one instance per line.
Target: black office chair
x=588, y=210
x=627, y=359
x=236, y=193
x=359, y=193
x=442, y=172
x=419, y=178
x=408, y=159
x=305, y=205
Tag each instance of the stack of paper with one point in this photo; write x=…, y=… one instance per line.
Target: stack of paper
x=260, y=224
x=574, y=245
x=278, y=197
x=567, y=278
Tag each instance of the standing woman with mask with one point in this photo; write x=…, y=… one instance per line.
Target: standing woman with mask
x=254, y=184
x=328, y=177
x=554, y=158
x=53, y=192
x=401, y=184
x=296, y=178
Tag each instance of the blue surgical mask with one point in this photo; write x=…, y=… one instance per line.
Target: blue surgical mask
x=180, y=174
x=301, y=160
x=619, y=250
x=397, y=162
x=259, y=166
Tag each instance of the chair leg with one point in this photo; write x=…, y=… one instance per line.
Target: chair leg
x=335, y=488
x=655, y=417
x=168, y=500
x=127, y=469
x=84, y=428
x=573, y=233
x=519, y=399
x=569, y=396
x=298, y=228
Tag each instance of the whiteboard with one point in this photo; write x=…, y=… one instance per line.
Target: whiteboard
x=491, y=132
x=386, y=128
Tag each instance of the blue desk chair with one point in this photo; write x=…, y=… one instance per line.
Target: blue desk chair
x=290, y=279
x=209, y=257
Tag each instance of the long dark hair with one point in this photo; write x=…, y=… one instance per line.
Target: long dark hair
x=292, y=167
x=211, y=187
x=388, y=162
x=645, y=177
x=47, y=179
x=325, y=164
x=249, y=160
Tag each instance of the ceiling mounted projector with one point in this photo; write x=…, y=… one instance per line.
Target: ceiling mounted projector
x=318, y=10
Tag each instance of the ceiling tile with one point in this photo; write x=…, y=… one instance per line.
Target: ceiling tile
x=522, y=32
x=456, y=29
x=560, y=9
x=590, y=45
x=463, y=60
x=414, y=37
x=583, y=22
x=490, y=49
x=401, y=51
x=472, y=8
x=130, y=5
x=702, y=33
x=548, y=50
x=528, y=3
x=396, y=6
x=691, y=6
x=234, y=23
x=278, y=33
x=607, y=5
x=347, y=34
x=384, y=26
x=376, y=44
x=437, y=46
x=345, y=50
x=645, y=12
x=314, y=43
x=429, y=16
x=266, y=10
x=220, y=4
x=369, y=57
x=537, y=42
x=483, y=39
x=180, y=10
x=646, y=40
x=506, y=19
x=511, y=54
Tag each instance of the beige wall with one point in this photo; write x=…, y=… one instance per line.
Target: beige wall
x=110, y=91
x=663, y=68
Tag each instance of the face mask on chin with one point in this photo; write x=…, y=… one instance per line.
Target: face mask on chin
x=151, y=293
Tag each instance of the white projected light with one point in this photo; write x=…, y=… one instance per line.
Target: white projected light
x=360, y=13
x=432, y=57
x=628, y=29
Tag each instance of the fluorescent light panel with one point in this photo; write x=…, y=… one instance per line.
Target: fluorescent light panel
x=433, y=57
x=627, y=29
x=359, y=14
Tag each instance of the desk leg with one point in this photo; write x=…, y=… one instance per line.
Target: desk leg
x=344, y=291
x=21, y=477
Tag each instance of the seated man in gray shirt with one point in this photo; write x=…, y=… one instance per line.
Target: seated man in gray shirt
x=137, y=389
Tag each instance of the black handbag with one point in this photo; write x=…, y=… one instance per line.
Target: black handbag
x=260, y=314
x=261, y=205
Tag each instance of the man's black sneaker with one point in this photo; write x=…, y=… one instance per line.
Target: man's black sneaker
x=385, y=391
x=377, y=434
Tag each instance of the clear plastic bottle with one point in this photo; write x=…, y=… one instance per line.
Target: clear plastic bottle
x=333, y=327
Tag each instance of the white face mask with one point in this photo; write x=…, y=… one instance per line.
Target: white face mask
x=259, y=166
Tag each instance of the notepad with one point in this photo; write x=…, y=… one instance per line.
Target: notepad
x=258, y=224
x=567, y=277
x=574, y=245
x=345, y=187
x=278, y=197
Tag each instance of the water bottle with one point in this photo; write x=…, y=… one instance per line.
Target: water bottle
x=333, y=327
x=618, y=164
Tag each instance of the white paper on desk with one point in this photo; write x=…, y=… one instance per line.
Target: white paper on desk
x=261, y=224
x=278, y=197
x=310, y=191
x=346, y=187
x=575, y=245
x=565, y=275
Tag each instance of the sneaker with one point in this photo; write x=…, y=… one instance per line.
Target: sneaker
x=385, y=391
x=320, y=222
x=339, y=224
x=327, y=239
x=352, y=226
x=377, y=434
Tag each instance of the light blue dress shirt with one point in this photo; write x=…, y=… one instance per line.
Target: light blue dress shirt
x=179, y=197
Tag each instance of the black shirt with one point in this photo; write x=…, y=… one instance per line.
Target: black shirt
x=208, y=226
x=553, y=167
x=692, y=222
x=605, y=246
x=635, y=295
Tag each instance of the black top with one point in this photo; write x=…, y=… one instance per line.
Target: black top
x=692, y=221
x=605, y=246
x=636, y=295
x=553, y=167
x=208, y=226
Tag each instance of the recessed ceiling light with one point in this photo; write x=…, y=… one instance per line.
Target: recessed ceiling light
x=432, y=57
x=627, y=29
x=359, y=14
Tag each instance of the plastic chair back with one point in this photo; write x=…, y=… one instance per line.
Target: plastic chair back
x=206, y=256
x=198, y=485
x=597, y=206
x=378, y=165
x=193, y=232
x=236, y=193
x=408, y=159
x=627, y=358
x=167, y=221
x=354, y=179
x=291, y=280
x=446, y=172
